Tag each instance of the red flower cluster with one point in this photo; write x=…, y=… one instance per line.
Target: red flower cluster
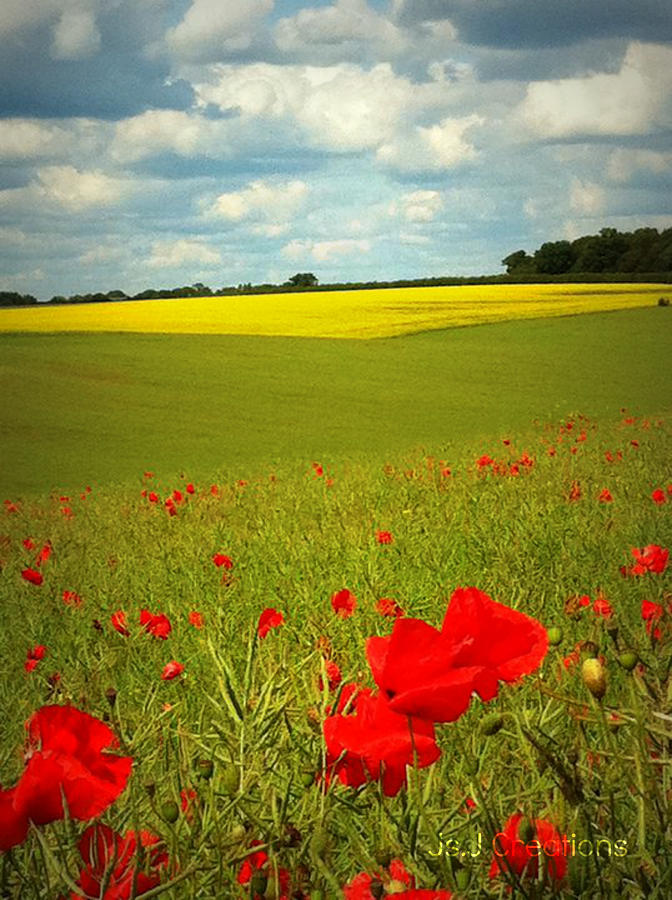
x=33, y=656
x=270, y=618
x=221, y=560
x=384, y=537
x=157, y=625
x=392, y=880
x=258, y=862
x=432, y=674
x=521, y=854
x=172, y=670
x=389, y=608
x=343, y=603
x=71, y=598
x=112, y=863
x=66, y=763
x=649, y=559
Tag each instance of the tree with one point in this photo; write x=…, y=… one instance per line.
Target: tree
x=554, y=258
x=518, y=262
x=303, y=279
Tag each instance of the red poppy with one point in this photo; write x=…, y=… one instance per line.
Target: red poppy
x=484, y=461
x=252, y=863
x=170, y=507
x=318, y=469
x=28, y=543
x=521, y=854
x=222, y=561
x=658, y=496
x=605, y=496
x=384, y=537
x=649, y=559
x=573, y=658
x=188, y=800
x=575, y=491
x=157, y=625
x=33, y=576
x=514, y=469
x=392, y=881
x=172, y=670
x=388, y=607
x=33, y=656
x=634, y=443
x=373, y=743
x=70, y=598
x=343, y=603
x=153, y=497
x=214, y=490
x=432, y=674
x=190, y=489
x=652, y=613
x=11, y=507
x=258, y=862
x=118, y=620
x=602, y=607
x=333, y=673
x=270, y=618
x=148, y=474
x=114, y=862
x=177, y=496
x=67, y=758
x=44, y=554
x=196, y=619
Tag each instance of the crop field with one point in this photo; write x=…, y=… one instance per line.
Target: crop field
x=360, y=314
x=238, y=689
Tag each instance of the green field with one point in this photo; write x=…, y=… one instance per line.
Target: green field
x=84, y=408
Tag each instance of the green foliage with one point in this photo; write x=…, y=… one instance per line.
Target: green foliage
x=12, y=298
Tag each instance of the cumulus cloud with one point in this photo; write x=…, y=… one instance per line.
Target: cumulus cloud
x=586, y=197
x=635, y=100
x=77, y=191
x=173, y=253
x=265, y=199
x=440, y=146
x=323, y=251
x=213, y=29
x=347, y=24
x=343, y=107
x=418, y=206
x=76, y=34
x=30, y=138
x=159, y=130
x=624, y=163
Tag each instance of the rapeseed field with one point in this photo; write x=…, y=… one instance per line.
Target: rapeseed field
x=359, y=314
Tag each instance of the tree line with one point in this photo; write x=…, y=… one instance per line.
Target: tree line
x=644, y=251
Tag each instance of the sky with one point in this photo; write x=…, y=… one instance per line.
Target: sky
x=157, y=143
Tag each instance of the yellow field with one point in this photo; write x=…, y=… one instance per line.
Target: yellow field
x=338, y=314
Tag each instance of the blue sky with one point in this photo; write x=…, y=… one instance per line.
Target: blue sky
x=154, y=143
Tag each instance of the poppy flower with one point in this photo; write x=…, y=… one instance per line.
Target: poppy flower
x=318, y=469
x=70, y=598
x=658, y=496
x=170, y=507
x=252, y=863
x=392, y=880
x=333, y=674
x=13, y=822
x=157, y=625
x=222, y=561
x=575, y=491
x=605, y=496
x=177, y=496
x=67, y=759
x=270, y=618
x=373, y=742
x=172, y=670
x=214, y=490
x=652, y=613
x=384, y=537
x=649, y=559
x=602, y=607
x=10, y=507
x=522, y=852
x=28, y=543
x=432, y=674
x=188, y=800
x=196, y=619
x=32, y=576
x=44, y=554
x=118, y=620
x=484, y=461
x=33, y=656
x=112, y=863
x=343, y=603
x=190, y=489
x=389, y=608
x=153, y=497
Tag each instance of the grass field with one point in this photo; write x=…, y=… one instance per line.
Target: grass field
x=231, y=756
x=337, y=314
x=80, y=409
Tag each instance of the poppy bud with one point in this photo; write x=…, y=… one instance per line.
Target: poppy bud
x=204, y=768
x=111, y=695
x=491, y=724
x=590, y=648
x=230, y=781
x=258, y=883
x=170, y=811
x=628, y=660
x=594, y=677
x=526, y=831
x=150, y=788
x=308, y=778
x=237, y=833
x=554, y=635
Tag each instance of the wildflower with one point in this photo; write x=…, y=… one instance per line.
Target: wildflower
x=178, y=497
x=522, y=851
x=343, y=603
x=28, y=543
x=214, y=490
x=190, y=489
x=373, y=743
x=188, y=800
x=605, y=496
x=153, y=497
x=33, y=656
x=157, y=625
x=394, y=879
x=602, y=607
x=270, y=618
x=658, y=496
x=384, y=537
x=118, y=620
x=388, y=607
x=333, y=674
x=575, y=491
x=649, y=559
x=432, y=674
x=484, y=461
x=113, y=867
x=196, y=619
x=32, y=576
x=652, y=614
x=222, y=561
x=171, y=670
x=318, y=469
x=44, y=554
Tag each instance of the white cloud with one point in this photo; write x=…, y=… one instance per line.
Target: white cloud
x=77, y=191
x=624, y=163
x=271, y=230
x=419, y=206
x=268, y=200
x=414, y=240
x=342, y=107
x=168, y=254
x=211, y=29
x=323, y=251
x=159, y=130
x=585, y=197
x=101, y=254
x=441, y=146
x=635, y=100
x=76, y=34
x=30, y=138
x=330, y=27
